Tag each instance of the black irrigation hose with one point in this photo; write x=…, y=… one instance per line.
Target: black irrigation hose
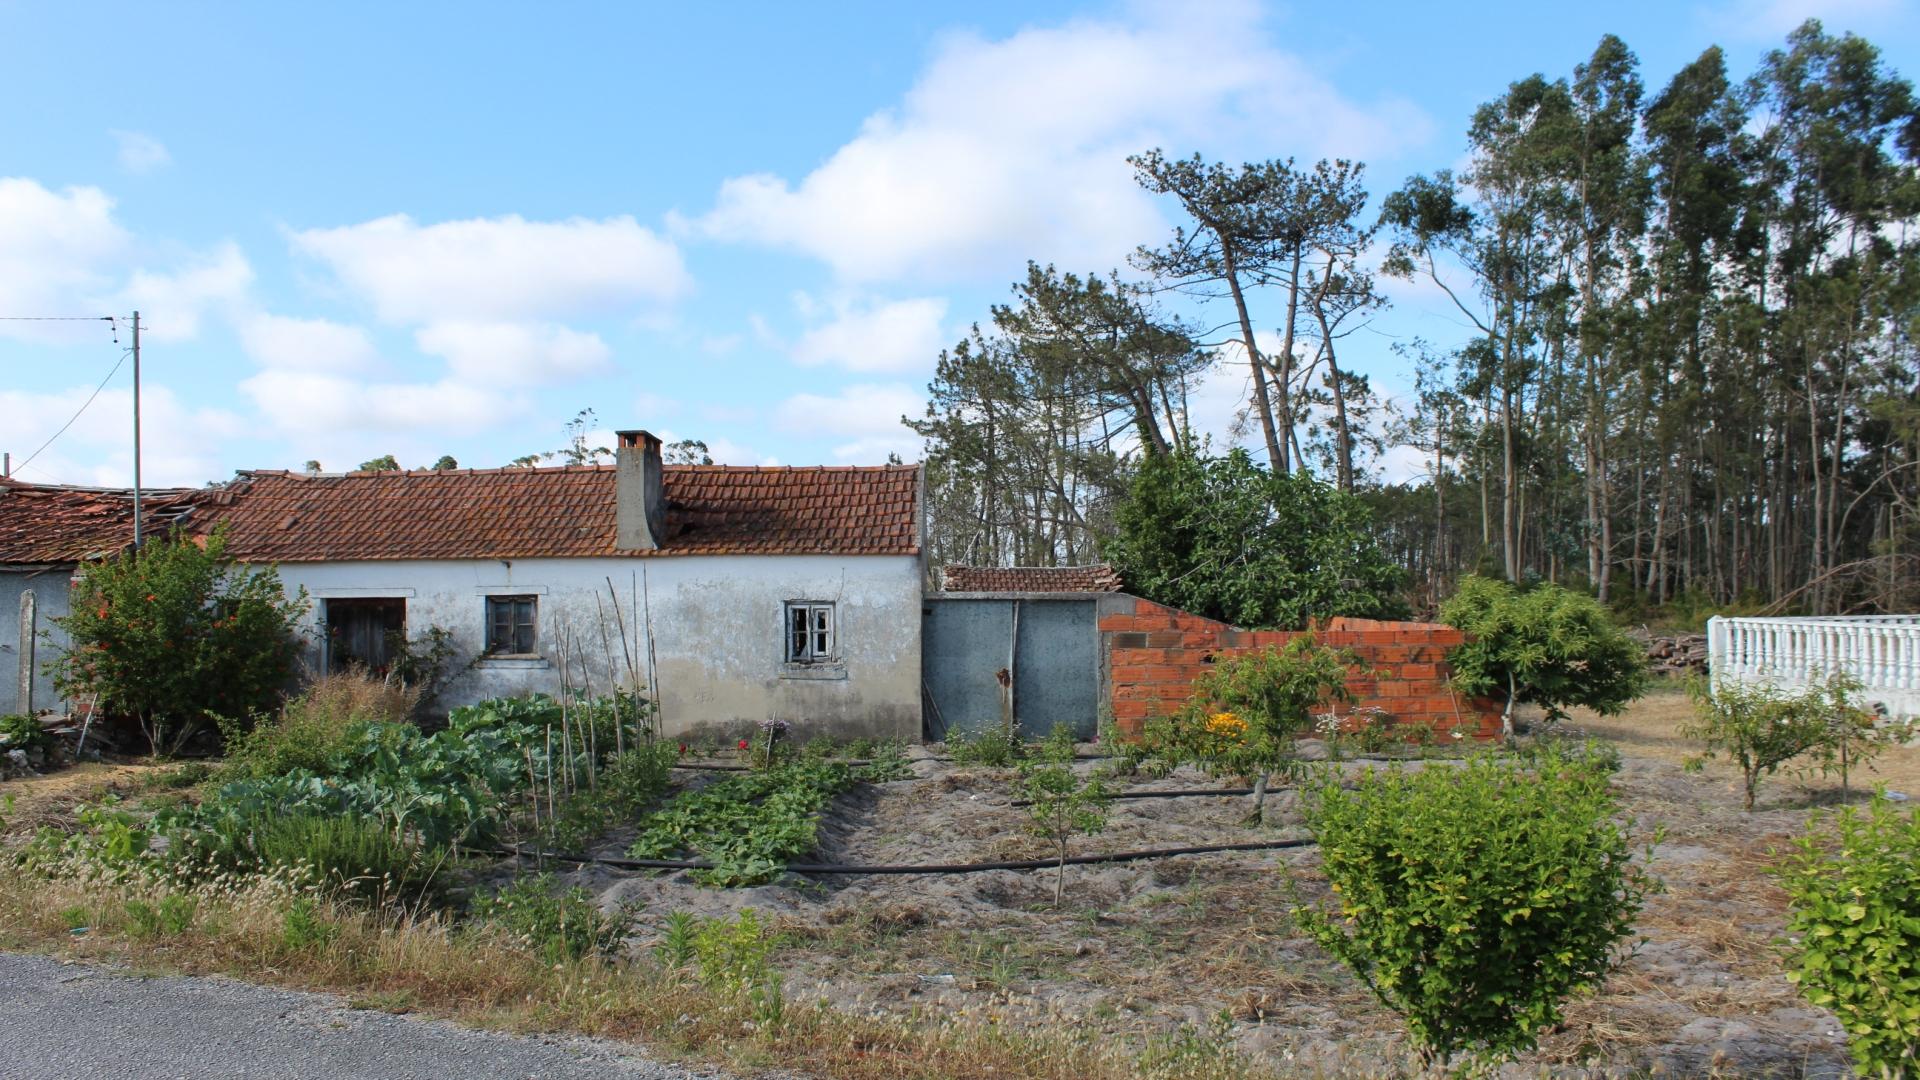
x=718, y=767
x=935, y=868
x=1179, y=794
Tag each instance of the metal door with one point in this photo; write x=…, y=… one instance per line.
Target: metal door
x=1044, y=651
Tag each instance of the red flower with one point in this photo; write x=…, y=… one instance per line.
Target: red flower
x=683, y=749
x=743, y=744
x=149, y=598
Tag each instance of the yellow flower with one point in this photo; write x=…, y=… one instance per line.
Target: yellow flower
x=1226, y=724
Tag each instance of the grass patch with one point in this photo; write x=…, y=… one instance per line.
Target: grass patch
x=421, y=961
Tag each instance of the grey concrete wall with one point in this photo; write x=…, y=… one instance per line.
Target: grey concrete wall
x=49, y=588
x=718, y=632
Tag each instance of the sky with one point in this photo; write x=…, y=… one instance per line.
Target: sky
x=426, y=229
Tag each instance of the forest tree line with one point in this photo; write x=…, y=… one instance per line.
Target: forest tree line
x=1690, y=375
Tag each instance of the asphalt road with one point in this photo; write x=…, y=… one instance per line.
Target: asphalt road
x=63, y=1021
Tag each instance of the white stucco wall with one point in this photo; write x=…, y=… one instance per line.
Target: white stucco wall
x=718, y=631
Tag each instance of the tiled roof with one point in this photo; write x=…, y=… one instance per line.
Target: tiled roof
x=55, y=524
x=1099, y=578
x=566, y=512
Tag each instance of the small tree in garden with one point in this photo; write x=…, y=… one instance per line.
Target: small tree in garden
x=174, y=634
x=1245, y=714
x=1761, y=728
x=1544, y=646
x=1473, y=900
x=1061, y=804
x=1854, y=925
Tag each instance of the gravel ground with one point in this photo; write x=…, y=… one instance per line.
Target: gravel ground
x=77, y=1021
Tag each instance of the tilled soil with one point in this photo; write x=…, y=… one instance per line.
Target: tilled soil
x=1202, y=946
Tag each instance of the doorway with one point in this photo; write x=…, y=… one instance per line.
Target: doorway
x=362, y=632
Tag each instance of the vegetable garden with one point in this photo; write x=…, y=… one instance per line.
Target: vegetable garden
x=1363, y=905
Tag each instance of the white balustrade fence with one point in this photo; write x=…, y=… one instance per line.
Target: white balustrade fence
x=1881, y=652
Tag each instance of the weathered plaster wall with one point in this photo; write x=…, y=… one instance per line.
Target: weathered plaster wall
x=49, y=588
x=718, y=631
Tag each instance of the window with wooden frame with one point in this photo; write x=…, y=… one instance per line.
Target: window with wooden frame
x=510, y=625
x=810, y=632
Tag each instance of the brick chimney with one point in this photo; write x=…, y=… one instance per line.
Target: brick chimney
x=640, y=503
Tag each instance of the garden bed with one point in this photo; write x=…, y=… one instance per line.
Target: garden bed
x=1198, y=951
x=1173, y=961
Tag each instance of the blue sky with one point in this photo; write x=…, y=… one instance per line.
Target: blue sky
x=438, y=228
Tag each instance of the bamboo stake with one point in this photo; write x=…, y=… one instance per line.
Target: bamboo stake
x=550, y=813
x=606, y=648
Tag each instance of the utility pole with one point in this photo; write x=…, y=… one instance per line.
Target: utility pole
x=136, y=429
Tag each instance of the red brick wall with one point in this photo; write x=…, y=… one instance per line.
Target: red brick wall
x=1154, y=653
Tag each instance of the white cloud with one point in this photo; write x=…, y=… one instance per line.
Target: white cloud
x=58, y=252
x=171, y=304
x=1010, y=149
x=514, y=354
x=895, y=335
x=179, y=444
x=311, y=402
x=140, y=153
x=499, y=269
x=288, y=343
x=865, y=417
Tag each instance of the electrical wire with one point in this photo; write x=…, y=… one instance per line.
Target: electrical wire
x=83, y=407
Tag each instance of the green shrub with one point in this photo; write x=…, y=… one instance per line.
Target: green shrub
x=1854, y=921
x=556, y=926
x=1471, y=900
x=732, y=955
x=1544, y=646
x=676, y=948
x=1761, y=728
x=174, y=633
x=349, y=856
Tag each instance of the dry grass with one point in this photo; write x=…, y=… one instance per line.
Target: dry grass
x=423, y=962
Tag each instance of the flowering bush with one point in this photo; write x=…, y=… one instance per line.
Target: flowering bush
x=1244, y=715
x=174, y=634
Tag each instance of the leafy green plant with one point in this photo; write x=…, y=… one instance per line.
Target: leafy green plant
x=676, y=947
x=1061, y=804
x=554, y=925
x=174, y=633
x=1245, y=714
x=732, y=955
x=1854, y=931
x=1473, y=900
x=1761, y=728
x=1544, y=646
x=749, y=826
x=18, y=732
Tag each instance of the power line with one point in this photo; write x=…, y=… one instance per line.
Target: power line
x=76, y=414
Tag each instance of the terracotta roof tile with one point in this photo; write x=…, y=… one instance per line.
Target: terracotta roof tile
x=42, y=523
x=567, y=512
x=1099, y=578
